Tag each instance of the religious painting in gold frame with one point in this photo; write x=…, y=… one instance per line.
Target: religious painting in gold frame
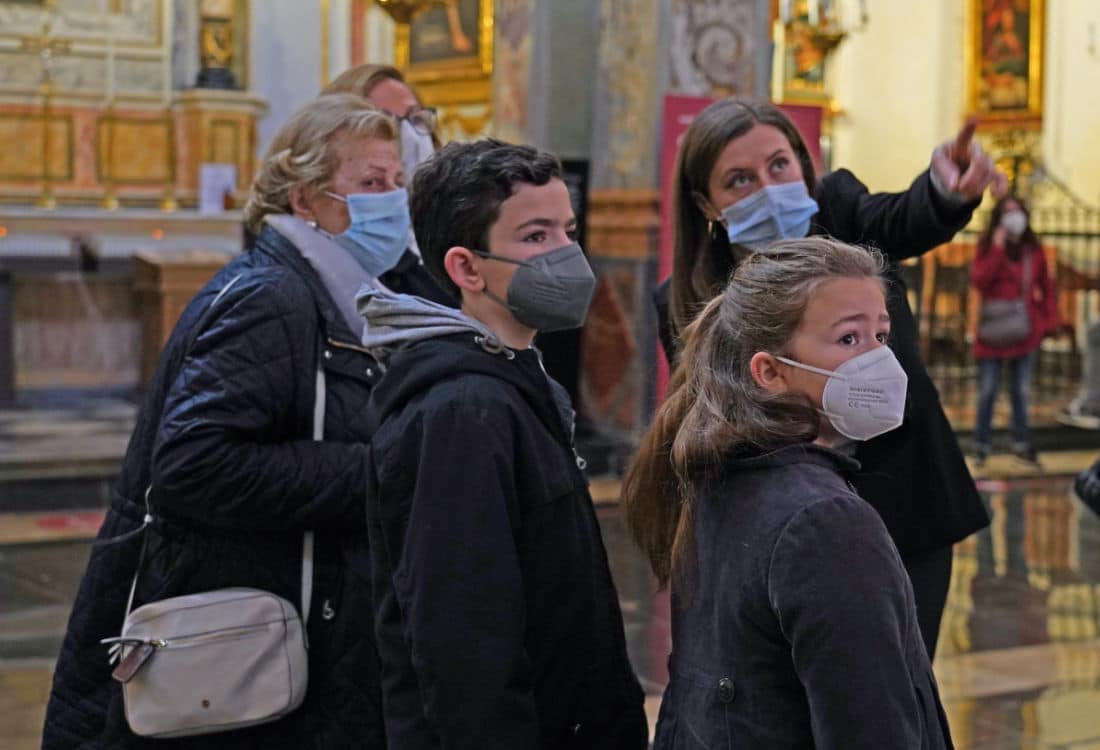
x=1005, y=69
x=447, y=52
x=803, y=57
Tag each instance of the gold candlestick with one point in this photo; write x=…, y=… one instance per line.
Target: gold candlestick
x=110, y=197
x=168, y=202
x=46, y=46
x=46, y=200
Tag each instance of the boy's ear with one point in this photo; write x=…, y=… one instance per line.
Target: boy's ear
x=463, y=268
x=766, y=372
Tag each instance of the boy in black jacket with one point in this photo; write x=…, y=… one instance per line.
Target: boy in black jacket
x=497, y=621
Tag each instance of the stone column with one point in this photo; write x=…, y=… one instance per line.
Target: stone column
x=649, y=48
x=586, y=80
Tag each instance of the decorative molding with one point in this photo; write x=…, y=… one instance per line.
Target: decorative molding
x=21, y=146
x=624, y=223
x=135, y=150
x=713, y=46
x=223, y=145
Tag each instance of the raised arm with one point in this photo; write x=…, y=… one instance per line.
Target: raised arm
x=938, y=203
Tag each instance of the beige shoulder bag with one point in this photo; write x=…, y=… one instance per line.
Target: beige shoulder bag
x=217, y=660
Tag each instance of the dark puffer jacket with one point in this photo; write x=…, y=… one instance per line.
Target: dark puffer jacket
x=225, y=439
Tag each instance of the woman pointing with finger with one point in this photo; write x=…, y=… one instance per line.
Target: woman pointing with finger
x=744, y=178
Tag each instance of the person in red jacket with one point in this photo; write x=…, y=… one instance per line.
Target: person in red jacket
x=1006, y=249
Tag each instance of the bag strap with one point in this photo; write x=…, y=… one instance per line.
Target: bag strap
x=307, y=537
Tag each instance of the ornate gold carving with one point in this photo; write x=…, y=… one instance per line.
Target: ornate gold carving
x=464, y=122
x=223, y=43
x=624, y=223
x=443, y=73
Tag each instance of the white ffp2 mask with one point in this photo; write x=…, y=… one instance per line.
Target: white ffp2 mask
x=865, y=396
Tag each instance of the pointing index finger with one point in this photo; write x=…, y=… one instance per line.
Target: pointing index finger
x=961, y=148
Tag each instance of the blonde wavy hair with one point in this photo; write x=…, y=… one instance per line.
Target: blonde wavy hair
x=714, y=407
x=305, y=151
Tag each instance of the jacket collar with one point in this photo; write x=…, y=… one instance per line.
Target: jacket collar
x=425, y=363
x=801, y=453
x=280, y=249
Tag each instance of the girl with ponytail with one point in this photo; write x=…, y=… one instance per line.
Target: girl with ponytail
x=793, y=621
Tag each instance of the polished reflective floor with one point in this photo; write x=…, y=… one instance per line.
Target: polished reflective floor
x=1019, y=660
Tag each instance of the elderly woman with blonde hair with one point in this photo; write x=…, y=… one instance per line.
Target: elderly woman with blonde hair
x=224, y=445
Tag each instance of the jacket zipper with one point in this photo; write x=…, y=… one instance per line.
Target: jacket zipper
x=345, y=345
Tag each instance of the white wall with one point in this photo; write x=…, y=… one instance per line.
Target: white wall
x=900, y=84
x=286, y=59
x=287, y=55
x=1071, y=132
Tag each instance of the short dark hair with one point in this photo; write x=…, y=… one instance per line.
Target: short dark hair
x=456, y=195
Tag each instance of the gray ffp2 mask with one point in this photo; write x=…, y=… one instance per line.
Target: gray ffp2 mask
x=550, y=291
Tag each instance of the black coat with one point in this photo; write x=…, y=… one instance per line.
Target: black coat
x=798, y=629
x=497, y=622
x=914, y=476
x=225, y=438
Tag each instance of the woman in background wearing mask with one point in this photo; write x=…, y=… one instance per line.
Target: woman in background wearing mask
x=793, y=621
x=745, y=178
x=1010, y=265
x=224, y=442
x=385, y=87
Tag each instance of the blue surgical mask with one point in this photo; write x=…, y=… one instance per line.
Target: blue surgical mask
x=774, y=213
x=379, y=229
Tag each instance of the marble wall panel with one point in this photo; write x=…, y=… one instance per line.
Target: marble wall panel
x=627, y=94
x=512, y=68
x=75, y=331
x=617, y=348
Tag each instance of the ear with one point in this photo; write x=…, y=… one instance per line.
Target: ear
x=705, y=207
x=299, y=206
x=462, y=267
x=767, y=373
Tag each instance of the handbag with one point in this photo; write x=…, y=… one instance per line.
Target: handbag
x=217, y=660
x=1006, y=322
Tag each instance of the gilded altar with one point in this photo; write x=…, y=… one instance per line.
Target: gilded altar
x=97, y=107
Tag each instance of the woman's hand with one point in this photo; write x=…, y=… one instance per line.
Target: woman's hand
x=963, y=168
x=999, y=236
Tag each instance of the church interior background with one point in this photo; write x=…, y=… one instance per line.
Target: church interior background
x=130, y=131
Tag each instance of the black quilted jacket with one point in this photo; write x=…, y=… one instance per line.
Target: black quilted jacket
x=225, y=439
